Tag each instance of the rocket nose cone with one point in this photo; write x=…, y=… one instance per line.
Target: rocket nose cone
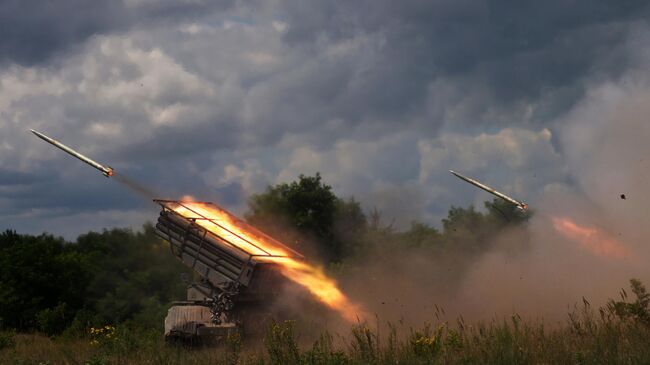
x=40, y=135
x=37, y=133
x=44, y=137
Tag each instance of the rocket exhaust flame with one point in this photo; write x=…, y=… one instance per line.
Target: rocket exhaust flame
x=320, y=285
x=245, y=237
x=592, y=239
x=255, y=242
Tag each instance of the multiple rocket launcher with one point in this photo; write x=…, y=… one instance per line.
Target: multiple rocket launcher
x=215, y=250
x=108, y=171
x=231, y=266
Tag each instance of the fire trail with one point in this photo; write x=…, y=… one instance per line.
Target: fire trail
x=594, y=240
x=225, y=249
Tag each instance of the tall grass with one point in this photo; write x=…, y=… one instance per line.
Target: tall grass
x=588, y=337
x=618, y=333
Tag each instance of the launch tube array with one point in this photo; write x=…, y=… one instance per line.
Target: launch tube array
x=205, y=252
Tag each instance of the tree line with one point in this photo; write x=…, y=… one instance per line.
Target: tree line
x=125, y=276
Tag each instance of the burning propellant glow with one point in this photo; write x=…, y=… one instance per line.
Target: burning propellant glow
x=592, y=239
x=255, y=242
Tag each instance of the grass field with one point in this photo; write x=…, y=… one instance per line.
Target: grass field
x=588, y=337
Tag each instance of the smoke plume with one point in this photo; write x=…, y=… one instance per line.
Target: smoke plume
x=143, y=191
x=535, y=270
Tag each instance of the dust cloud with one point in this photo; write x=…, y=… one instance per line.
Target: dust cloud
x=534, y=270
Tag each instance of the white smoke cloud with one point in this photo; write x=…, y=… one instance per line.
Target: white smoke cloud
x=603, y=142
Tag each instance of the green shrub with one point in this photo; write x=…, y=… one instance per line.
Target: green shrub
x=53, y=321
x=323, y=353
x=233, y=346
x=425, y=344
x=99, y=359
x=7, y=339
x=281, y=344
x=638, y=309
x=365, y=344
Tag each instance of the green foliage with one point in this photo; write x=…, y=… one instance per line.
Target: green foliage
x=280, y=343
x=234, y=346
x=365, y=344
x=7, y=339
x=135, y=276
x=38, y=273
x=98, y=359
x=53, y=320
x=323, y=352
x=425, y=344
x=466, y=230
x=466, y=233
x=585, y=339
x=103, y=336
x=638, y=309
x=308, y=210
x=502, y=213
x=110, y=277
x=422, y=235
x=126, y=278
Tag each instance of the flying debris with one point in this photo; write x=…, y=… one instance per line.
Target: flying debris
x=106, y=170
x=521, y=205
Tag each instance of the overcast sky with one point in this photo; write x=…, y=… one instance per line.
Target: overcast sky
x=219, y=99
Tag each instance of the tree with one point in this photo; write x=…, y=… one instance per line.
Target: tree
x=422, y=235
x=308, y=211
x=134, y=275
x=472, y=231
x=48, y=284
x=465, y=229
x=37, y=275
x=504, y=213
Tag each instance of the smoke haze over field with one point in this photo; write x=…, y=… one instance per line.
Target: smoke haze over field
x=535, y=270
x=604, y=139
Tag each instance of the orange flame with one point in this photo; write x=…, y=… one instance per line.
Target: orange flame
x=255, y=242
x=322, y=287
x=592, y=239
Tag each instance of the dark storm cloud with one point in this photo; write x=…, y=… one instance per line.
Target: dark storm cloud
x=9, y=178
x=183, y=142
x=401, y=57
x=217, y=100
x=517, y=49
x=70, y=195
x=32, y=31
